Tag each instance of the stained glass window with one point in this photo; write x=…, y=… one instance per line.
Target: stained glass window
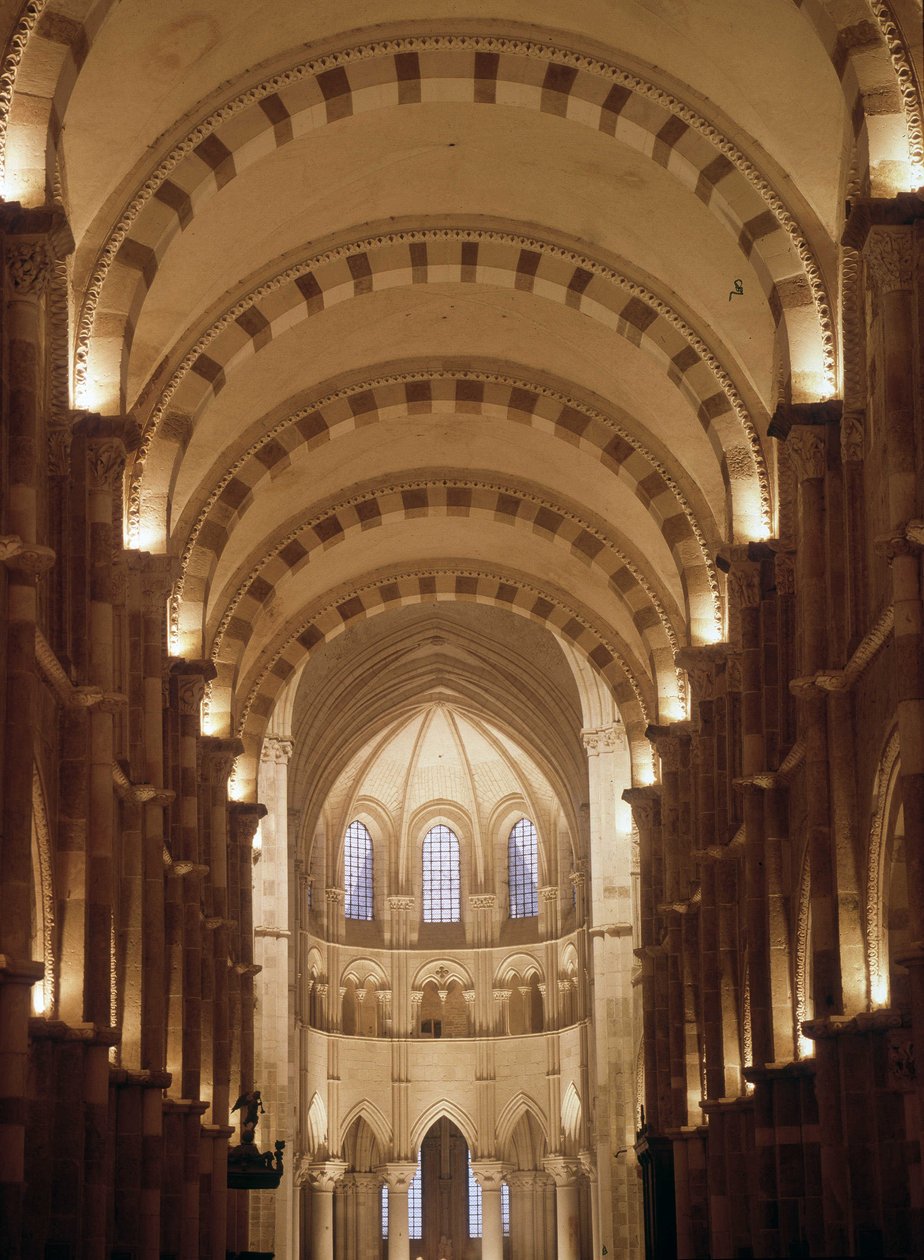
x=357, y=872
x=505, y=1208
x=441, y=889
x=384, y=1211
x=415, y=1205
x=523, y=870
x=474, y=1203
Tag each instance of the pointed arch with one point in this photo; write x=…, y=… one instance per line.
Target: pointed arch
x=460, y=1118
x=571, y=1118
x=366, y=1112
x=317, y=1123
x=511, y=1115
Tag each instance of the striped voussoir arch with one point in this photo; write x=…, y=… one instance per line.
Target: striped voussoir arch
x=258, y=583
x=249, y=708
x=469, y=69
x=464, y=256
x=876, y=74
x=297, y=435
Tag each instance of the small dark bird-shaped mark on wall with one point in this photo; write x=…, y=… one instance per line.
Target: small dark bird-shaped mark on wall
x=737, y=291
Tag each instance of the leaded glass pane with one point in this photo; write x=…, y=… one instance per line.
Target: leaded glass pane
x=441, y=885
x=357, y=872
x=523, y=870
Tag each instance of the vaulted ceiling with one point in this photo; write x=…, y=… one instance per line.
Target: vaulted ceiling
x=491, y=306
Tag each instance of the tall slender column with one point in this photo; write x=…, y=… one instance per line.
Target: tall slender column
x=272, y=938
x=524, y=1218
x=368, y=1189
x=564, y=1172
x=28, y=257
x=490, y=1176
x=610, y=914
x=398, y=1178
x=646, y=809
x=806, y=445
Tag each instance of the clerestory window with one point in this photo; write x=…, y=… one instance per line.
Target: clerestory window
x=523, y=870
x=441, y=884
x=357, y=872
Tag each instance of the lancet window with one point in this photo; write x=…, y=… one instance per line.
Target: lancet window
x=441, y=882
x=357, y=872
x=523, y=870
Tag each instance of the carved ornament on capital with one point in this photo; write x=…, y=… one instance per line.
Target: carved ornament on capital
x=28, y=266
x=482, y=901
x=701, y=665
x=276, y=749
x=645, y=803
x=106, y=463
x=33, y=559
x=784, y=571
x=563, y=1171
x=806, y=448
x=489, y=1173
x=888, y=257
x=744, y=584
x=397, y=1176
x=322, y=1176
x=853, y=436
x=401, y=905
x=218, y=756
x=191, y=676
x=245, y=818
x=603, y=739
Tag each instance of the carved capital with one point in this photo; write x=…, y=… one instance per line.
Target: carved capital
x=667, y=746
x=191, y=677
x=702, y=664
x=109, y=440
x=853, y=436
x=645, y=803
x=34, y=559
x=489, y=1173
x=28, y=266
x=564, y=1172
x=218, y=755
x=806, y=447
x=400, y=904
x=59, y=450
x=784, y=568
x=888, y=256
x=245, y=819
x=276, y=749
x=106, y=463
x=603, y=739
x=744, y=584
x=29, y=558
x=482, y=901
x=397, y=1176
x=549, y=893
